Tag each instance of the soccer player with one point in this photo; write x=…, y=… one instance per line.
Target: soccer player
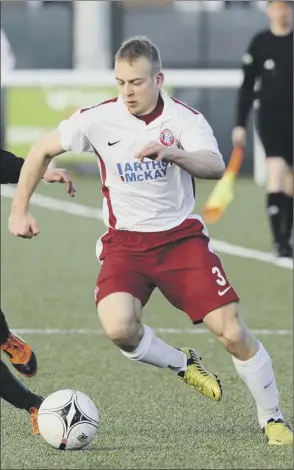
x=268, y=65
x=149, y=147
x=20, y=353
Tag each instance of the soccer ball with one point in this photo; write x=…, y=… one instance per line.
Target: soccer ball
x=68, y=419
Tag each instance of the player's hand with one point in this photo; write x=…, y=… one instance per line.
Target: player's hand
x=23, y=225
x=158, y=152
x=239, y=136
x=60, y=175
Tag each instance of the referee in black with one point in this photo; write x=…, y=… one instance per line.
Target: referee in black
x=268, y=77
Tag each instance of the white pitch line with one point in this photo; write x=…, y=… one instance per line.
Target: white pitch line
x=170, y=331
x=91, y=213
x=57, y=205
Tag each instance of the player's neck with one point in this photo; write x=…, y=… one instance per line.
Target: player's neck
x=278, y=30
x=151, y=108
x=155, y=111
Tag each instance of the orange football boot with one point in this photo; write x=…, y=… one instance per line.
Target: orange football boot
x=20, y=354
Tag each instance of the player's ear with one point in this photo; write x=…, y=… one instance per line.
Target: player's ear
x=159, y=80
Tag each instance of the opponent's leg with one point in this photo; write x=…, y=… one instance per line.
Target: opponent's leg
x=254, y=366
x=15, y=393
x=20, y=354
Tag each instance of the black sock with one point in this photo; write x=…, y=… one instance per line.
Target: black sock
x=275, y=206
x=288, y=216
x=13, y=391
x=4, y=330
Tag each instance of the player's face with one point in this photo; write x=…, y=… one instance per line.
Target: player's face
x=138, y=85
x=280, y=13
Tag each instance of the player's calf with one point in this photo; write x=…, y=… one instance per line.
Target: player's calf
x=227, y=325
x=185, y=362
x=254, y=366
x=120, y=317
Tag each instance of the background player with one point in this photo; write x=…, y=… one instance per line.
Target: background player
x=268, y=64
x=153, y=240
x=20, y=354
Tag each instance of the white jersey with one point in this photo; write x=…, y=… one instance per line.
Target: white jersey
x=145, y=197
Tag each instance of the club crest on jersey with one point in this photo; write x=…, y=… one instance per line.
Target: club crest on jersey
x=166, y=137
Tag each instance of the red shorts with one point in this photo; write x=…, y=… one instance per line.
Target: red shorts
x=179, y=262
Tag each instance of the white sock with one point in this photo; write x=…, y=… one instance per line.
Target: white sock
x=258, y=375
x=156, y=352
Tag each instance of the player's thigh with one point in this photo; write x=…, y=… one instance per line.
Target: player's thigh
x=280, y=162
x=271, y=131
x=276, y=170
x=277, y=138
x=122, y=289
x=192, y=278
x=289, y=182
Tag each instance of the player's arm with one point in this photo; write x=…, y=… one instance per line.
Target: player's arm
x=34, y=167
x=246, y=90
x=10, y=167
x=245, y=96
x=203, y=164
x=69, y=135
x=197, y=152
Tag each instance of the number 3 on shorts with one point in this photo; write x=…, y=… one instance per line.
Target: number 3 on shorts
x=220, y=280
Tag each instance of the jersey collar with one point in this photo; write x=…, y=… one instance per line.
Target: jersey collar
x=163, y=118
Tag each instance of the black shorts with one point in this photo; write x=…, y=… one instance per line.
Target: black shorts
x=276, y=133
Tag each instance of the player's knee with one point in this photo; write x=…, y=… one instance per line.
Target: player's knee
x=120, y=321
x=124, y=335
x=118, y=328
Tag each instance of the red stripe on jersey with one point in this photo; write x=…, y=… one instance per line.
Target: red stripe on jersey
x=105, y=192
x=112, y=100
x=185, y=106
